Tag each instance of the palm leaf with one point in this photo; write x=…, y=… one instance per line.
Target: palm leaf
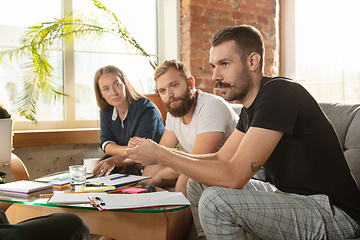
x=40, y=39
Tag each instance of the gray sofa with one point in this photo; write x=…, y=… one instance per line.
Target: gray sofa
x=345, y=117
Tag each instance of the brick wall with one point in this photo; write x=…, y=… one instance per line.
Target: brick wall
x=200, y=19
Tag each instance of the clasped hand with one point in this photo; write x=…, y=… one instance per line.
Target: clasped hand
x=145, y=151
x=105, y=167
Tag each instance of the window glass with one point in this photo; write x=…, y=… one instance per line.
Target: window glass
x=12, y=28
x=81, y=59
x=327, y=49
x=92, y=54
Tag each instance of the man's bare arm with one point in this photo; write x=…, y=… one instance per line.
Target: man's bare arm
x=255, y=148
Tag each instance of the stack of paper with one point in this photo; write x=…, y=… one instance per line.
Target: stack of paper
x=24, y=188
x=60, y=185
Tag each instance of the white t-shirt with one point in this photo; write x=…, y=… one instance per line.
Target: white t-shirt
x=212, y=114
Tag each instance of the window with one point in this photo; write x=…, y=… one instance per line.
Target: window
x=320, y=49
x=76, y=63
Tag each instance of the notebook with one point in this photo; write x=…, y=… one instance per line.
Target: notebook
x=13, y=195
x=5, y=140
x=24, y=187
x=105, y=202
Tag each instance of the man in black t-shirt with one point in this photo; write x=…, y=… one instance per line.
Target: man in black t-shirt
x=310, y=192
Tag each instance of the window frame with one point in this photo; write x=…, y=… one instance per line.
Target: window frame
x=168, y=46
x=287, y=36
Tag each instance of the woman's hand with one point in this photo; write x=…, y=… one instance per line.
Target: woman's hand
x=105, y=167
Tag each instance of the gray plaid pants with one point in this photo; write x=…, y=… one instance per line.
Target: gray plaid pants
x=260, y=210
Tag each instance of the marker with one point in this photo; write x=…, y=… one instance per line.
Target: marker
x=50, y=194
x=119, y=189
x=45, y=195
x=114, y=178
x=94, y=184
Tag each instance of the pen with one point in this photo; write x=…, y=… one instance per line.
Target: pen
x=125, y=175
x=45, y=195
x=94, y=184
x=50, y=194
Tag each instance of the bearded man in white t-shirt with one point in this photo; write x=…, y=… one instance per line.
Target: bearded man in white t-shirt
x=199, y=121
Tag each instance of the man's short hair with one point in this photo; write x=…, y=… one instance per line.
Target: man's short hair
x=247, y=40
x=168, y=64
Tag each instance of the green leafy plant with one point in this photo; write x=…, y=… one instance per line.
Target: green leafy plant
x=40, y=39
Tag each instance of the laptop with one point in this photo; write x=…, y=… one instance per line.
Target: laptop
x=5, y=140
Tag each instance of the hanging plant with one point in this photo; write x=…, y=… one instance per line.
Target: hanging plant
x=40, y=39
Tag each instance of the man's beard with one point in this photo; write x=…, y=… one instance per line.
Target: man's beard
x=239, y=89
x=186, y=101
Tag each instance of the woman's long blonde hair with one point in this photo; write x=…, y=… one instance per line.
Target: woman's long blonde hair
x=131, y=93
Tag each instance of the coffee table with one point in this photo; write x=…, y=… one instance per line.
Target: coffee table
x=142, y=223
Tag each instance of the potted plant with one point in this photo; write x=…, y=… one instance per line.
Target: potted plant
x=41, y=38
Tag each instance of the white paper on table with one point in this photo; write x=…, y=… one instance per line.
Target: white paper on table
x=141, y=200
x=72, y=198
x=106, y=181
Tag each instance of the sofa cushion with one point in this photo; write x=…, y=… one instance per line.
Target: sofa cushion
x=352, y=146
x=345, y=118
x=352, y=140
x=236, y=107
x=353, y=159
x=340, y=115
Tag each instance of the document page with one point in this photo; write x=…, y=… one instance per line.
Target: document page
x=141, y=200
x=72, y=198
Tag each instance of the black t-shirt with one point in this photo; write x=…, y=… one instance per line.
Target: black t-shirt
x=308, y=159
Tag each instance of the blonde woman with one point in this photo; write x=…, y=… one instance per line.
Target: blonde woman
x=124, y=113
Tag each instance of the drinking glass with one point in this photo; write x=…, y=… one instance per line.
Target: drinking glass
x=77, y=175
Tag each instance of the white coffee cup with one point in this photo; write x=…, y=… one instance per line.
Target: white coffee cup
x=90, y=164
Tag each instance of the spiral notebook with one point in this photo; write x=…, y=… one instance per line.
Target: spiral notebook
x=24, y=187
